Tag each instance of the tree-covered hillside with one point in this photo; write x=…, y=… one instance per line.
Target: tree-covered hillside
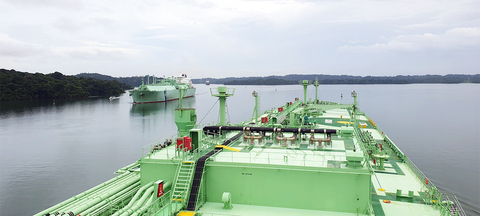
x=133, y=81
x=15, y=85
x=342, y=79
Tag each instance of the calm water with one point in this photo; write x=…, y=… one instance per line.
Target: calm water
x=49, y=153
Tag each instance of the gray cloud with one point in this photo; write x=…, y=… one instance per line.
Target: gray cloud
x=228, y=38
x=453, y=39
x=63, y=4
x=16, y=48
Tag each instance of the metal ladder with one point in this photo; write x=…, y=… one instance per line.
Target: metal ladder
x=182, y=183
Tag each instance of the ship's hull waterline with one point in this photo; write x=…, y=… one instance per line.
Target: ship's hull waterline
x=141, y=97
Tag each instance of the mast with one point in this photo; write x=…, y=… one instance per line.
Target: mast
x=355, y=121
x=256, y=110
x=305, y=84
x=222, y=93
x=316, y=89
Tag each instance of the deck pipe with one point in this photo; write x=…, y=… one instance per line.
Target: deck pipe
x=250, y=137
x=83, y=196
x=106, y=196
x=98, y=192
x=137, y=207
x=285, y=139
x=77, y=197
x=319, y=141
x=91, y=196
x=110, y=199
x=126, y=168
x=268, y=129
x=144, y=207
x=134, y=199
x=102, y=197
x=166, y=187
x=139, y=203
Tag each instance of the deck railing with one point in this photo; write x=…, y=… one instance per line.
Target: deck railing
x=394, y=148
x=459, y=206
x=361, y=144
x=148, y=149
x=290, y=157
x=448, y=203
x=419, y=173
x=159, y=204
x=451, y=205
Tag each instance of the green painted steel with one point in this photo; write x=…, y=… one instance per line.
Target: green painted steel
x=146, y=195
x=197, y=137
x=152, y=170
x=316, y=89
x=183, y=180
x=279, y=187
x=305, y=84
x=127, y=168
x=355, y=108
x=144, y=207
x=134, y=198
x=97, y=199
x=94, y=194
x=222, y=93
x=185, y=120
x=79, y=196
x=131, y=188
x=256, y=109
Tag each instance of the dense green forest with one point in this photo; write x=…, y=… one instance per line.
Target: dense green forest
x=15, y=85
x=342, y=79
x=267, y=81
x=133, y=81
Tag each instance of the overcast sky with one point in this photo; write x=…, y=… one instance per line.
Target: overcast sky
x=241, y=38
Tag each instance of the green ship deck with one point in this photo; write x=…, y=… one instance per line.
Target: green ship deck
x=305, y=158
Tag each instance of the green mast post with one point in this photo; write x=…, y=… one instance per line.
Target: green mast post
x=222, y=93
x=256, y=110
x=355, y=121
x=305, y=84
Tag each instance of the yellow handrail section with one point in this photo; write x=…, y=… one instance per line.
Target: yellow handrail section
x=226, y=147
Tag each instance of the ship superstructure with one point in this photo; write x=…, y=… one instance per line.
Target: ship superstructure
x=307, y=157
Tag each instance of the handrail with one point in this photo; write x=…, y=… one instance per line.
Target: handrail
x=231, y=156
x=147, y=149
x=159, y=204
x=362, y=147
x=452, y=199
x=369, y=210
x=394, y=147
x=419, y=174
x=428, y=184
x=459, y=206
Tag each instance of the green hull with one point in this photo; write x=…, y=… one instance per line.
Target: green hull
x=158, y=96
